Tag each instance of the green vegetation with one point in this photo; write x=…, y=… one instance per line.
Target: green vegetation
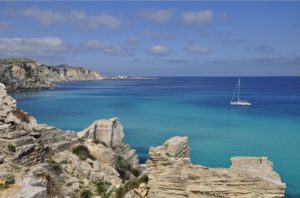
x=54, y=166
x=11, y=148
x=83, y=152
x=125, y=169
x=21, y=115
x=86, y=194
x=130, y=185
x=102, y=187
x=16, y=60
x=6, y=181
x=10, y=179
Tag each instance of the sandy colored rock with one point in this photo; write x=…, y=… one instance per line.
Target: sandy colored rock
x=171, y=174
x=108, y=132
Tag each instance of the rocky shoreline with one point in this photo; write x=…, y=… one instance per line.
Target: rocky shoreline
x=37, y=161
x=26, y=74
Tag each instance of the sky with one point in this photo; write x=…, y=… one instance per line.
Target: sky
x=152, y=38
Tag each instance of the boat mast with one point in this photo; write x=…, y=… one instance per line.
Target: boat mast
x=239, y=87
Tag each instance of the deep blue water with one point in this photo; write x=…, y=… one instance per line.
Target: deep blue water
x=155, y=110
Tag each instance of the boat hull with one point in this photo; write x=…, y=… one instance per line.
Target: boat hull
x=240, y=103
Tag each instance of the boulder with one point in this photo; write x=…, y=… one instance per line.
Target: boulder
x=108, y=132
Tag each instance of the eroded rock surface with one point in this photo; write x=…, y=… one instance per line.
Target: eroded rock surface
x=171, y=174
x=110, y=133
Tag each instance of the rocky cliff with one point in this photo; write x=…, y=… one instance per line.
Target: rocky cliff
x=171, y=174
x=21, y=75
x=39, y=161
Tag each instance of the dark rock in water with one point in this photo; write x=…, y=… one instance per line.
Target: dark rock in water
x=22, y=75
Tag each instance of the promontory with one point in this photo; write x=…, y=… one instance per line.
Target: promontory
x=27, y=74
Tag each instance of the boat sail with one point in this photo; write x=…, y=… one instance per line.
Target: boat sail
x=238, y=102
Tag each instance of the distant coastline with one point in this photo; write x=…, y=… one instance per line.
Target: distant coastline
x=123, y=77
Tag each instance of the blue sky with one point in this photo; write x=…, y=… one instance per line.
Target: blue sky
x=156, y=38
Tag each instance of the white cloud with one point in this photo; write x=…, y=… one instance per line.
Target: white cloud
x=95, y=21
x=158, y=50
x=157, y=15
x=78, y=17
x=198, y=18
x=4, y=25
x=44, y=17
x=44, y=46
x=109, y=49
x=198, y=50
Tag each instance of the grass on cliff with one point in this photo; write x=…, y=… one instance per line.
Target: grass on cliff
x=82, y=152
x=16, y=60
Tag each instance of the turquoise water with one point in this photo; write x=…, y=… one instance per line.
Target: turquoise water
x=155, y=110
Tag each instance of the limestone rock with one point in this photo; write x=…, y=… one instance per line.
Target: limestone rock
x=22, y=75
x=32, y=184
x=23, y=139
x=102, y=153
x=108, y=132
x=171, y=174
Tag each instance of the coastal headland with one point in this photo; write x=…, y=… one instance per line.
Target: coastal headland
x=27, y=74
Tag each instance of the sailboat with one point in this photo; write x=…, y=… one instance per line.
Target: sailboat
x=238, y=102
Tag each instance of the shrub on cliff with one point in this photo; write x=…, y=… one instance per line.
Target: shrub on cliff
x=11, y=148
x=102, y=187
x=86, y=194
x=125, y=169
x=130, y=185
x=54, y=166
x=83, y=152
x=6, y=181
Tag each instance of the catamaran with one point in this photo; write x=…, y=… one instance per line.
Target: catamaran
x=238, y=102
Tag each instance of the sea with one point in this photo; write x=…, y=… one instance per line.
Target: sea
x=154, y=110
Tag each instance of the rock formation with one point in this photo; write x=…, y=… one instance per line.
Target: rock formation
x=110, y=134
x=39, y=161
x=25, y=75
x=171, y=174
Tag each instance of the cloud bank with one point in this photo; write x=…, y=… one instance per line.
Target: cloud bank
x=79, y=17
x=158, y=50
x=157, y=15
x=198, y=18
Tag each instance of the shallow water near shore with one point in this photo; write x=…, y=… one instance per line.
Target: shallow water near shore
x=152, y=111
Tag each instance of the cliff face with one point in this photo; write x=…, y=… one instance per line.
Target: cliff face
x=38, y=160
x=28, y=75
x=171, y=174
